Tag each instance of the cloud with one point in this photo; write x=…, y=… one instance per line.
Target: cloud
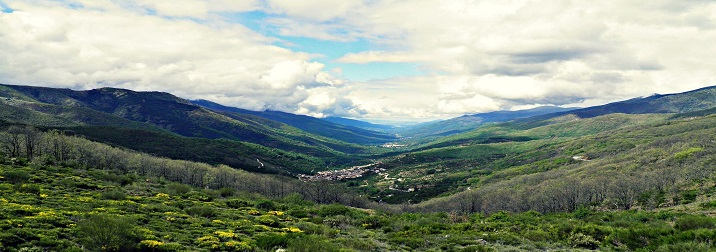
x=500, y=54
x=90, y=44
x=314, y=10
x=178, y=8
x=475, y=55
x=380, y=56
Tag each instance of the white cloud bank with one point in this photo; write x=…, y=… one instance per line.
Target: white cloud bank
x=479, y=55
x=89, y=44
x=486, y=55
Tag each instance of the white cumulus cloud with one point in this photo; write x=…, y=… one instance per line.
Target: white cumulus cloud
x=90, y=44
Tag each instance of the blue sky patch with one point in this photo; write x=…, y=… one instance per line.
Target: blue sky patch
x=329, y=51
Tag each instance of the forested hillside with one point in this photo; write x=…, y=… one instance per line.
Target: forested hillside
x=152, y=110
x=119, y=117
x=309, y=124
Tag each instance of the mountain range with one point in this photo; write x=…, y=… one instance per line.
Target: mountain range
x=416, y=163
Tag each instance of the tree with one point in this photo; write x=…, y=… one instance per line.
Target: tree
x=31, y=139
x=12, y=141
x=104, y=232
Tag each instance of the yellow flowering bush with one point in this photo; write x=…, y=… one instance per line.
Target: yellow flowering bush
x=292, y=230
x=225, y=234
x=236, y=246
x=275, y=213
x=150, y=244
x=211, y=242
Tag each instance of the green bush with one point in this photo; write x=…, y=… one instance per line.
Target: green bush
x=271, y=241
x=28, y=188
x=580, y=240
x=411, y=242
x=687, y=153
x=16, y=176
x=581, y=212
x=238, y=203
x=226, y=192
x=297, y=212
x=333, y=209
x=113, y=195
x=295, y=199
x=537, y=235
x=311, y=243
x=271, y=221
x=122, y=180
x=201, y=211
x=688, y=196
x=685, y=247
x=17, y=236
x=689, y=222
x=179, y=188
x=107, y=233
x=265, y=205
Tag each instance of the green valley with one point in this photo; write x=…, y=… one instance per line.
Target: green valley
x=167, y=174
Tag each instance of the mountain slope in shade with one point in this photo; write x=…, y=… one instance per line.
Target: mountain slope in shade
x=470, y=122
x=167, y=112
x=309, y=124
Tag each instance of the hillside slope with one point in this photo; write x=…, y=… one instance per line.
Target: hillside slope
x=309, y=124
x=114, y=107
x=685, y=102
x=436, y=129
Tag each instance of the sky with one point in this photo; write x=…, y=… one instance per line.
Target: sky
x=373, y=60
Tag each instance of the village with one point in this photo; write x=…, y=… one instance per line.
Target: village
x=349, y=173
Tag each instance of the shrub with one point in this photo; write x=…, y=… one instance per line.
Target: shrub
x=411, y=242
x=119, y=179
x=295, y=199
x=16, y=176
x=265, y=205
x=688, y=196
x=202, y=211
x=537, y=235
x=581, y=212
x=178, y=188
x=271, y=240
x=113, y=195
x=311, y=243
x=237, y=203
x=106, y=233
x=333, y=210
x=271, y=221
x=373, y=222
x=685, y=247
x=17, y=236
x=28, y=188
x=297, y=212
x=226, y=192
x=580, y=240
x=687, y=153
x=689, y=222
